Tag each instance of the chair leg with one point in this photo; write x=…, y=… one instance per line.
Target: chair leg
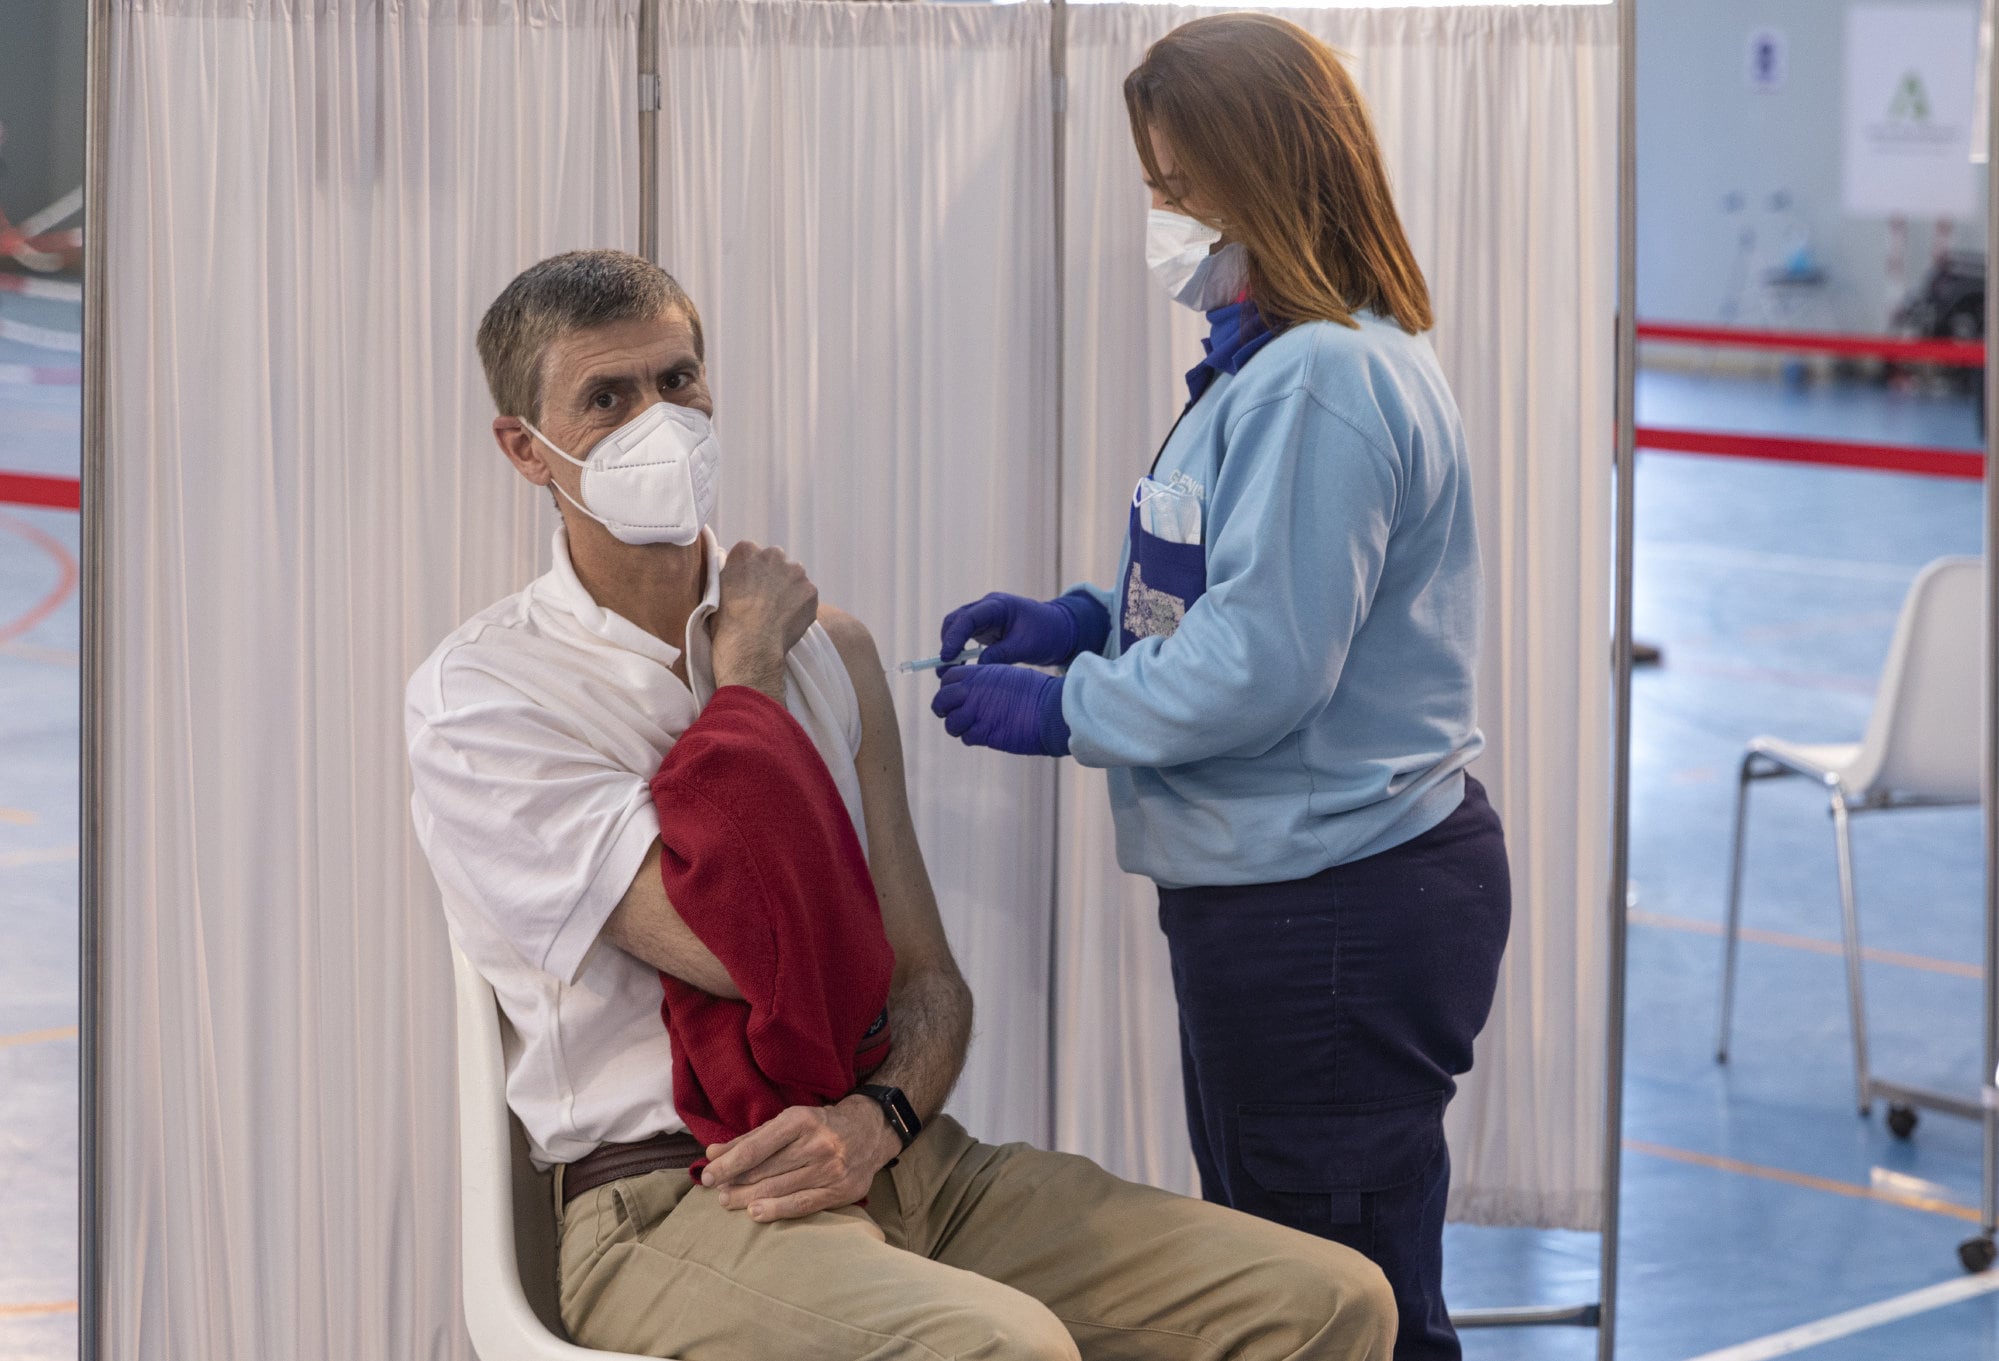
x=1850, y=933
x=1732, y=931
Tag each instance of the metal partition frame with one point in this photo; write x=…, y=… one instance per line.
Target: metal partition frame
x=650, y=105
x=1058, y=69
x=90, y=728
x=94, y=644
x=1990, y=1118
x=1619, y=906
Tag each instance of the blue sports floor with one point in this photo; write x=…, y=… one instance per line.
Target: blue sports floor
x=40, y=432
x=1755, y=1199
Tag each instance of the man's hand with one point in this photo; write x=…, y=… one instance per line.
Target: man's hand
x=808, y=1159
x=767, y=605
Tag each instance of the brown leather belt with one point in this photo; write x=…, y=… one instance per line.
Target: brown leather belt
x=613, y=1162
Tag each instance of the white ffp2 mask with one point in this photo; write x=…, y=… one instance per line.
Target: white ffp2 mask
x=1180, y=252
x=653, y=479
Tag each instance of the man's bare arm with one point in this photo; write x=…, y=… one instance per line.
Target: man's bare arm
x=645, y=926
x=818, y=1158
x=930, y=1007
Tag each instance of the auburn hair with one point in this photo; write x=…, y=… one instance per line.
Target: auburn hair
x=1269, y=130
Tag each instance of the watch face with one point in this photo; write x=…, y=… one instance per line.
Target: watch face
x=901, y=1114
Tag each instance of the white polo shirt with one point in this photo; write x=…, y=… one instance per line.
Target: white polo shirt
x=534, y=731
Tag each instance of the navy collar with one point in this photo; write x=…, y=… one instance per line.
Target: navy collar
x=1235, y=333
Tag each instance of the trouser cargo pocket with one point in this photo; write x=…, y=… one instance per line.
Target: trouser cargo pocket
x=1329, y=1169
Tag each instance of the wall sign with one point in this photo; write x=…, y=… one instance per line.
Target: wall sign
x=1769, y=60
x=1909, y=106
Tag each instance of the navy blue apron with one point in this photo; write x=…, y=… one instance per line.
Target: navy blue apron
x=1164, y=579
x=1161, y=584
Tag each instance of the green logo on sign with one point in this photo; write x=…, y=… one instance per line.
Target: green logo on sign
x=1912, y=101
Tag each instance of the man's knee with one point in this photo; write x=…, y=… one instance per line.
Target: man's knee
x=1007, y=1326
x=1339, y=1299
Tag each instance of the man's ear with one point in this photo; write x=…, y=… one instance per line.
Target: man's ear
x=521, y=449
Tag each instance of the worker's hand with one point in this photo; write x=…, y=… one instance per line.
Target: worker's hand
x=767, y=605
x=1007, y=708
x=807, y=1159
x=1014, y=629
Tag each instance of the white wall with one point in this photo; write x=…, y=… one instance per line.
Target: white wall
x=1704, y=134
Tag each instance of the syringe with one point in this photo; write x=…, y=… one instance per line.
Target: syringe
x=969, y=655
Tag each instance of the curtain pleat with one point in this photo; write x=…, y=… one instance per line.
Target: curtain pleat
x=309, y=209
x=1498, y=127
x=860, y=199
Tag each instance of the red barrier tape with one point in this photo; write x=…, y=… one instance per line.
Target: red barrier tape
x=31, y=489
x=1962, y=463
x=1961, y=354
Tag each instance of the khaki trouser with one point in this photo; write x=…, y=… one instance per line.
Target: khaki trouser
x=963, y=1251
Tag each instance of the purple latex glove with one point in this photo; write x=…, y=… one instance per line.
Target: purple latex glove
x=1037, y=632
x=1007, y=708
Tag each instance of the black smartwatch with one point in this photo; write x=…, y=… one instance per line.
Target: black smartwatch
x=902, y=1117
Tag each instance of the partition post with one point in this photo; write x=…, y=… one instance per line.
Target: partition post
x=1618, y=908
x=1058, y=71
x=649, y=110
x=1978, y=1252
x=90, y=756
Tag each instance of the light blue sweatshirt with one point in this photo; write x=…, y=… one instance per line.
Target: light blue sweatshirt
x=1315, y=706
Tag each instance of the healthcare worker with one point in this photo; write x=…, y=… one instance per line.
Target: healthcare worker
x=1281, y=683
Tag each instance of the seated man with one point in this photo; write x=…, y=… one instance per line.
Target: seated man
x=824, y=1233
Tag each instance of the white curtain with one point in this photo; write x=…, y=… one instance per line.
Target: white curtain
x=309, y=207
x=1498, y=126
x=860, y=199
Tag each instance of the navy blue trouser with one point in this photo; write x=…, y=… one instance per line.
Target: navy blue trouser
x=1322, y=1025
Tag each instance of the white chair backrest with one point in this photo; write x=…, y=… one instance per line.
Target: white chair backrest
x=506, y=1215
x=1925, y=736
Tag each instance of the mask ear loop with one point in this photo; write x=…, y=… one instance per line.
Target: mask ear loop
x=550, y=444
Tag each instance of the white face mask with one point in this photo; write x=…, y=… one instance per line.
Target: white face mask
x=1180, y=252
x=653, y=479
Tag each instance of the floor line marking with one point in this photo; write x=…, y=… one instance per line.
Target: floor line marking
x=1814, y=628
x=1715, y=555
x=1811, y=944
x=20, y=817
x=61, y=1032
x=1830, y=1329
x=54, y=656
x=39, y=855
x=37, y=1310
x=67, y=577
x=1685, y=664
x=1806, y=1180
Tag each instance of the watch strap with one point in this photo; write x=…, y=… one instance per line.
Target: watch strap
x=896, y=1107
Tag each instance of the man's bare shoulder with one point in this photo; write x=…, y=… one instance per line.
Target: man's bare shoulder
x=855, y=643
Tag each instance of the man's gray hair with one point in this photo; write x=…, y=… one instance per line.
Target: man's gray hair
x=564, y=293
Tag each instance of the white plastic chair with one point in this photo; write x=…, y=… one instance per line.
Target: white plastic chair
x=1921, y=750
x=506, y=1208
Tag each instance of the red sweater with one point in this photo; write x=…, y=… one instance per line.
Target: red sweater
x=762, y=862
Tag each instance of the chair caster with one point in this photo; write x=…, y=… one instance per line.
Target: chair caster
x=1977, y=1254
x=1902, y=1122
